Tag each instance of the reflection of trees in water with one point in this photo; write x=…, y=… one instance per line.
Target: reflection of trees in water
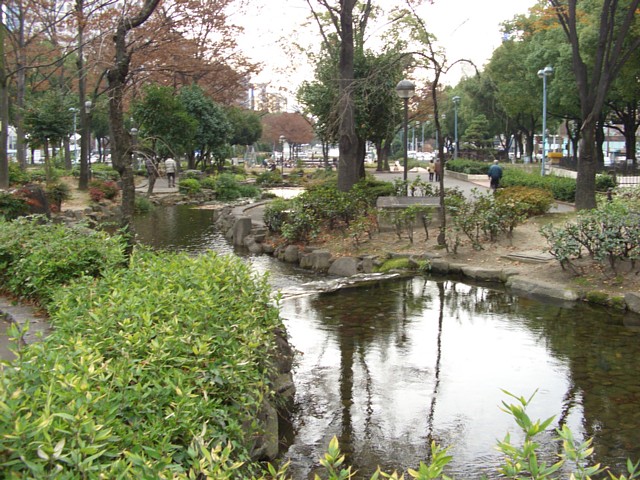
x=179, y=227
x=436, y=373
x=604, y=359
x=376, y=314
x=603, y=355
x=476, y=299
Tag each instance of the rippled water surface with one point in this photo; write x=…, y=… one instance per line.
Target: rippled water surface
x=393, y=366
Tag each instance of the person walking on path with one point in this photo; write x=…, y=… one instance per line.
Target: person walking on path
x=171, y=168
x=495, y=174
x=437, y=168
x=152, y=173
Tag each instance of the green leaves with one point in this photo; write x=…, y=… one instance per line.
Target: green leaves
x=610, y=233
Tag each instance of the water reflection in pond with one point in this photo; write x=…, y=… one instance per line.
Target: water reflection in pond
x=388, y=369
x=391, y=367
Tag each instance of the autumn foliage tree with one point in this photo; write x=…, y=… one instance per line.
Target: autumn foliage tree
x=294, y=127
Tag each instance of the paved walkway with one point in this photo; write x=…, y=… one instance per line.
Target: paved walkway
x=160, y=187
x=466, y=186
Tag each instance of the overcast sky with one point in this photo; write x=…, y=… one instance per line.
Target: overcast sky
x=465, y=28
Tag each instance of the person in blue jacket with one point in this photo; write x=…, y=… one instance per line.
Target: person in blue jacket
x=495, y=174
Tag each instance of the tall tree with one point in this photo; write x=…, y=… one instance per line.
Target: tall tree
x=213, y=131
x=4, y=104
x=342, y=18
x=613, y=21
x=163, y=121
x=117, y=77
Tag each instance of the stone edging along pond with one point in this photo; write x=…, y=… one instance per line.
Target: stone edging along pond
x=245, y=228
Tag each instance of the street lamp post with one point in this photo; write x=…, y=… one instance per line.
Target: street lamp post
x=282, y=140
x=456, y=102
x=405, y=90
x=543, y=74
x=75, y=141
x=134, y=146
x=85, y=145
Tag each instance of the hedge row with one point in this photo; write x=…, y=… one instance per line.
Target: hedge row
x=562, y=188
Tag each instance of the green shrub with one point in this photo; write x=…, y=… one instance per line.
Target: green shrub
x=17, y=176
x=535, y=201
x=57, y=193
x=104, y=172
x=142, y=204
x=470, y=167
x=208, y=182
x=228, y=188
x=141, y=366
x=610, y=233
x=40, y=174
x=269, y=179
x=12, y=206
x=482, y=218
x=276, y=213
x=38, y=258
x=191, y=174
x=189, y=186
x=562, y=188
x=604, y=182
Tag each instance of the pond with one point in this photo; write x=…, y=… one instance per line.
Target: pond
x=390, y=367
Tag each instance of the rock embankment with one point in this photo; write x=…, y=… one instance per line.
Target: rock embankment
x=244, y=227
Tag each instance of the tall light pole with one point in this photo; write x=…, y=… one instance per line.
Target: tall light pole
x=405, y=90
x=134, y=147
x=85, y=146
x=543, y=74
x=282, y=140
x=456, y=102
x=75, y=141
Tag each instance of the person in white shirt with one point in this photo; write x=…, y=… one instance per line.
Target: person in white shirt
x=171, y=167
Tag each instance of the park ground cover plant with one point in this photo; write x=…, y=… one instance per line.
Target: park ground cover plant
x=143, y=360
x=609, y=235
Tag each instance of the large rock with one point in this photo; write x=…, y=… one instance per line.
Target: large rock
x=241, y=228
x=537, y=287
x=344, y=266
x=633, y=301
x=291, y=254
x=318, y=260
x=252, y=245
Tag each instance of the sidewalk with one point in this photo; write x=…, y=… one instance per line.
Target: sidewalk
x=161, y=186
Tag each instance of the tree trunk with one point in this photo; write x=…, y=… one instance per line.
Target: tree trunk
x=348, y=168
x=85, y=142
x=600, y=138
x=4, y=107
x=121, y=151
x=612, y=50
x=586, y=181
x=21, y=144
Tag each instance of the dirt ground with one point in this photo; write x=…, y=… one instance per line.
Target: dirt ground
x=527, y=242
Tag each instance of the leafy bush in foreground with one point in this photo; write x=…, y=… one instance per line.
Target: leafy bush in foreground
x=36, y=258
x=12, y=206
x=140, y=364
